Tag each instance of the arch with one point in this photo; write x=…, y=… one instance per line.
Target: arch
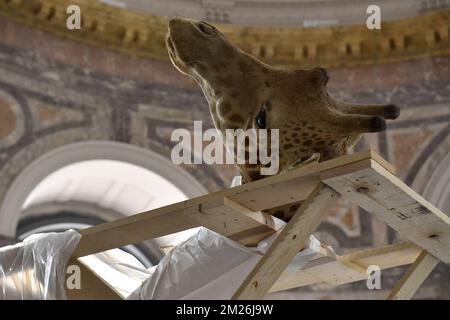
x=437, y=190
x=262, y=51
x=305, y=52
x=94, y=25
x=437, y=36
x=392, y=44
x=51, y=13
x=408, y=41
x=348, y=49
x=60, y=157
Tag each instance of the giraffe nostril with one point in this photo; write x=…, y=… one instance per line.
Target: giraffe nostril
x=377, y=124
x=392, y=111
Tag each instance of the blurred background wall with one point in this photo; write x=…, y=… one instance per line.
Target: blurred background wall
x=86, y=115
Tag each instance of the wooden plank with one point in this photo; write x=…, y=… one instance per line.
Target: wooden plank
x=291, y=239
x=352, y=265
x=375, y=189
x=199, y=212
x=246, y=226
x=92, y=287
x=414, y=277
x=251, y=237
x=333, y=272
x=260, y=195
x=222, y=216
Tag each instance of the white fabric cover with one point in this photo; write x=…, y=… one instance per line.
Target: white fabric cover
x=121, y=270
x=208, y=266
x=34, y=269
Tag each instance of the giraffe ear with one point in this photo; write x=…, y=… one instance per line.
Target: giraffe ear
x=320, y=76
x=317, y=77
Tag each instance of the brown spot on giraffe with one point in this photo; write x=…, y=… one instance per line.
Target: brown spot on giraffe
x=236, y=118
x=224, y=108
x=235, y=94
x=226, y=81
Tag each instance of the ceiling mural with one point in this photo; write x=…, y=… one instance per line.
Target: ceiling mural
x=143, y=34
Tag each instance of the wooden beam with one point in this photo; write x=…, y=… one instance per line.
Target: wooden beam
x=331, y=271
x=249, y=236
x=289, y=242
x=414, y=277
x=260, y=195
x=233, y=212
x=210, y=211
x=378, y=191
x=238, y=222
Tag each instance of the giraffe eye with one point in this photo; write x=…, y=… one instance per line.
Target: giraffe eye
x=261, y=119
x=206, y=28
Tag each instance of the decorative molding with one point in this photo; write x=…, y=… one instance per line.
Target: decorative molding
x=48, y=163
x=143, y=35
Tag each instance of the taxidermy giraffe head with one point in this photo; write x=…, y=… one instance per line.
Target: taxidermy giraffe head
x=244, y=92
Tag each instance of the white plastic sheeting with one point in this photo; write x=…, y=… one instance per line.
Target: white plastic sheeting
x=121, y=270
x=35, y=268
x=204, y=266
x=211, y=266
x=208, y=266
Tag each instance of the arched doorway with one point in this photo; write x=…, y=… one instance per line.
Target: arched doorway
x=85, y=183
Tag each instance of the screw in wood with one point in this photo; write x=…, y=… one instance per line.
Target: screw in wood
x=362, y=190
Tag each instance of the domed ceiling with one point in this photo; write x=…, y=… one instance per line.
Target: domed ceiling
x=295, y=13
x=285, y=33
